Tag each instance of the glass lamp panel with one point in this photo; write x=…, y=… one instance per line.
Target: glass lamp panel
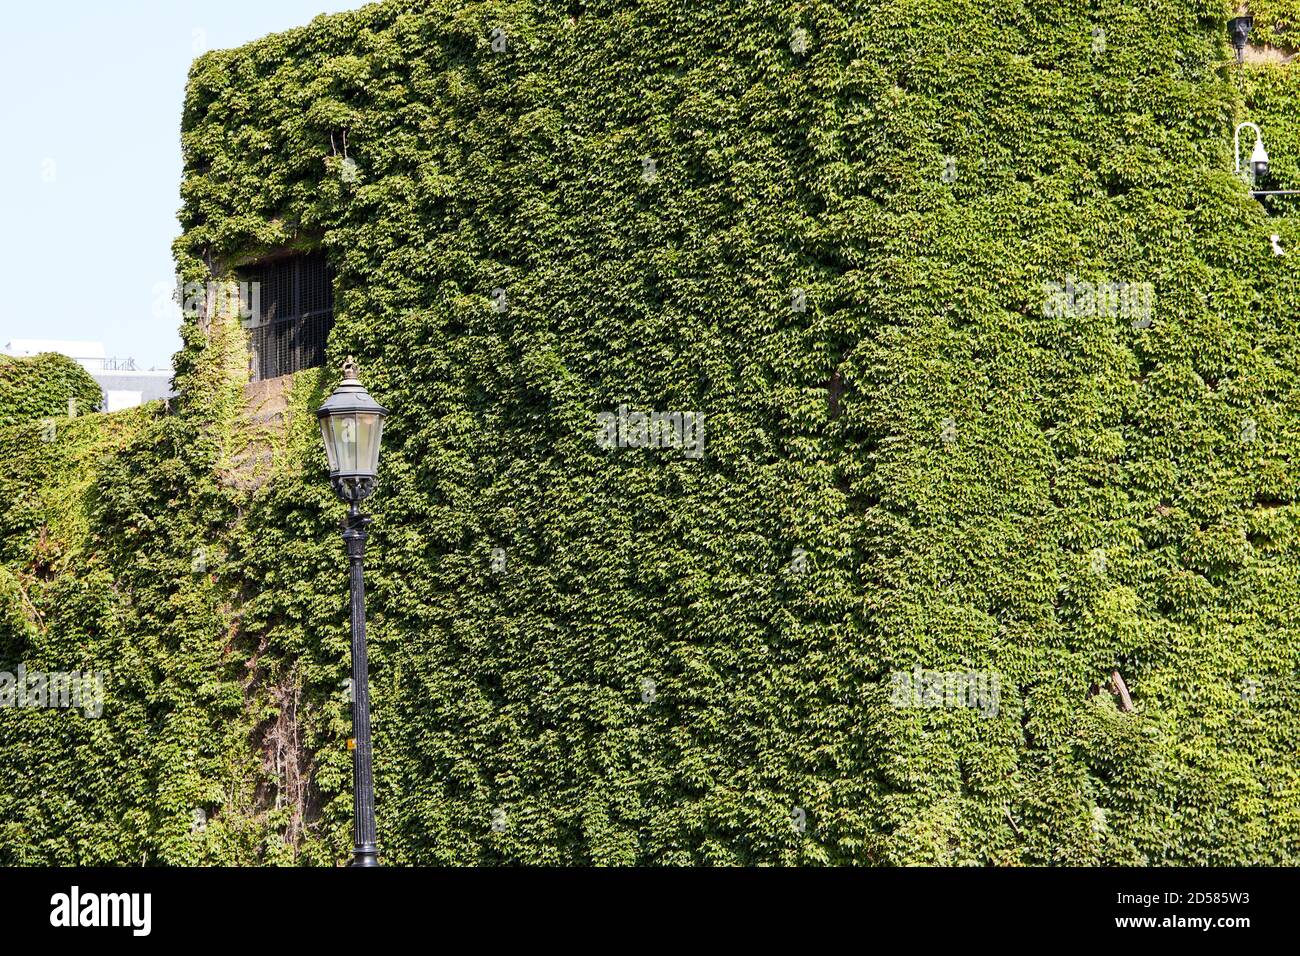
x=378, y=433
x=327, y=433
x=345, y=442
x=369, y=425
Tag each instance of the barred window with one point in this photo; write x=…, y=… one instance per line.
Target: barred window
x=294, y=314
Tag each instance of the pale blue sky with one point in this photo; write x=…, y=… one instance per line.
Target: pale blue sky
x=90, y=104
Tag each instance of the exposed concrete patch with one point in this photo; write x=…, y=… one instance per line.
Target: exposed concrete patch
x=1263, y=53
x=262, y=428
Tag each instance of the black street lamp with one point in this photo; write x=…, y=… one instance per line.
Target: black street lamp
x=351, y=422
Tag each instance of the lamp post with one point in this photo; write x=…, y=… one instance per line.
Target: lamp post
x=352, y=423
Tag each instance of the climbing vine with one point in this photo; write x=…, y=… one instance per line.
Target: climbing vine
x=852, y=242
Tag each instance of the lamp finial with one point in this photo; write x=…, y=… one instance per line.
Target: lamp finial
x=350, y=370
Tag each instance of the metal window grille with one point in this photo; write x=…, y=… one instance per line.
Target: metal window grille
x=295, y=314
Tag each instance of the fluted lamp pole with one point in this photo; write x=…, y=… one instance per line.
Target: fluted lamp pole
x=352, y=423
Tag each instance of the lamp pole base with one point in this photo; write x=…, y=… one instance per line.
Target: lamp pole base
x=365, y=856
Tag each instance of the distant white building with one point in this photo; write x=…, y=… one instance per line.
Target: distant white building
x=89, y=355
x=124, y=385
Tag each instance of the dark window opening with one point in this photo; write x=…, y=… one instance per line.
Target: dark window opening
x=292, y=313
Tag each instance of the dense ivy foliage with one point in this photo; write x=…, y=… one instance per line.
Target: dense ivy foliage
x=48, y=385
x=1276, y=21
x=836, y=245
x=110, y=570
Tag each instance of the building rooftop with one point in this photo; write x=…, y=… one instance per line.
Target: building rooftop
x=92, y=356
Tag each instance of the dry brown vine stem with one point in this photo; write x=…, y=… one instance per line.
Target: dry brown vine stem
x=1120, y=689
x=34, y=615
x=1117, y=688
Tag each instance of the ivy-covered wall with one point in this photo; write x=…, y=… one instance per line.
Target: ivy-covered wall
x=833, y=232
x=1275, y=22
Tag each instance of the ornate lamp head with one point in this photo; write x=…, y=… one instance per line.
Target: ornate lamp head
x=352, y=423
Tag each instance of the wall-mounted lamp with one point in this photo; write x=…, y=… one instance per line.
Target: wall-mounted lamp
x=1239, y=30
x=1258, y=165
